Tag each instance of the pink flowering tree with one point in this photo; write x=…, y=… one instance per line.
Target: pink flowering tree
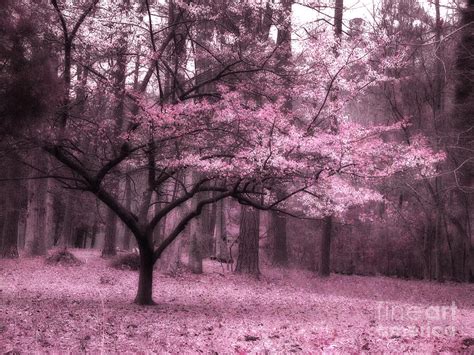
x=230, y=126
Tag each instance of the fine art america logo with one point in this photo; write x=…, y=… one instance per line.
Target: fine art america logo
x=416, y=321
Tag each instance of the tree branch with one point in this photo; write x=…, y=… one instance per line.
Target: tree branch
x=180, y=227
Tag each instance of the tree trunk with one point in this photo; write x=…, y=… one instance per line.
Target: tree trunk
x=247, y=259
x=127, y=237
x=280, y=250
x=208, y=217
x=50, y=212
x=461, y=121
x=110, y=234
x=338, y=15
x=196, y=234
x=195, y=254
x=170, y=259
x=36, y=210
x=94, y=231
x=221, y=251
x=427, y=252
x=11, y=212
x=157, y=232
x=3, y=219
x=66, y=225
x=10, y=234
x=438, y=249
x=145, y=278
x=325, y=261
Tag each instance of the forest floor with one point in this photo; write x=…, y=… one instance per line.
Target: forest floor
x=89, y=308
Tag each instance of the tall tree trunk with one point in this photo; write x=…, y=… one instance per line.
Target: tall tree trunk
x=201, y=242
x=127, y=237
x=283, y=55
x=66, y=226
x=325, y=261
x=248, y=259
x=208, y=218
x=50, y=211
x=94, y=231
x=145, y=277
x=195, y=253
x=170, y=259
x=427, y=251
x=221, y=251
x=196, y=239
x=157, y=231
x=35, y=244
x=9, y=230
x=3, y=213
x=461, y=120
x=10, y=234
x=438, y=249
x=110, y=243
x=110, y=240
x=469, y=249
x=338, y=16
x=439, y=82
x=280, y=249
x=196, y=231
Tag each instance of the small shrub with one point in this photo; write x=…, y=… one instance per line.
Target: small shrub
x=129, y=261
x=64, y=258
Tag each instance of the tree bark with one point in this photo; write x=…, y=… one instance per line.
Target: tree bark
x=10, y=234
x=208, y=217
x=221, y=251
x=110, y=234
x=427, y=251
x=338, y=15
x=325, y=261
x=461, y=122
x=195, y=253
x=35, y=244
x=66, y=225
x=283, y=55
x=195, y=241
x=94, y=231
x=248, y=256
x=145, y=278
x=127, y=237
x=9, y=230
x=438, y=249
x=280, y=250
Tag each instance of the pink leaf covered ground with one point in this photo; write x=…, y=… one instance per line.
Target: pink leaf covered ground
x=88, y=308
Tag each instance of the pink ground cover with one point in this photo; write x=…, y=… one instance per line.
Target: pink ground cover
x=89, y=308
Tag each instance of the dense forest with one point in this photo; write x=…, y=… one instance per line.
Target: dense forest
x=326, y=137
